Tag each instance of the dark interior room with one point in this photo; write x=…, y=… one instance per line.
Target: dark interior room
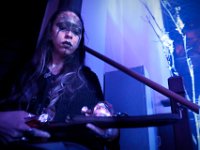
x=20, y=26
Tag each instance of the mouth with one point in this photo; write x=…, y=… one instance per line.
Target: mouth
x=67, y=44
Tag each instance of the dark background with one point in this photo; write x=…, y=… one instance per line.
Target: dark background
x=19, y=29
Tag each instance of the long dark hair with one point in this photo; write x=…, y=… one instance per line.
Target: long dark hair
x=45, y=46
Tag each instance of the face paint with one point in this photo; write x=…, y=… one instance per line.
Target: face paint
x=69, y=22
x=66, y=32
x=68, y=26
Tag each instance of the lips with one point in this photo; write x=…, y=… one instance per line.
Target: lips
x=67, y=44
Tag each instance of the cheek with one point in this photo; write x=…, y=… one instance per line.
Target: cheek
x=76, y=41
x=57, y=39
x=57, y=35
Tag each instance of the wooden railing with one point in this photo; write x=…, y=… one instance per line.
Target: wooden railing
x=161, y=89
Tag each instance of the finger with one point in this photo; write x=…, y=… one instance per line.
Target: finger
x=102, y=109
x=16, y=134
x=38, y=133
x=109, y=134
x=96, y=129
x=86, y=111
x=5, y=139
x=11, y=136
x=29, y=116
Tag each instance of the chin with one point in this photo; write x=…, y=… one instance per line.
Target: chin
x=68, y=52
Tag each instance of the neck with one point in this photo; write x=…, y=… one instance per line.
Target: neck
x=56, y=65
x=55, y=68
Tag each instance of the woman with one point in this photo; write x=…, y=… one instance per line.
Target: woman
x=57, y=85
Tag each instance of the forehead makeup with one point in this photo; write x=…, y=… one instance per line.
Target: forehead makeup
x=68, y=16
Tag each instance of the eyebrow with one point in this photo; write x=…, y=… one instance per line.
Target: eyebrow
x=69, y=23
x=76, y=20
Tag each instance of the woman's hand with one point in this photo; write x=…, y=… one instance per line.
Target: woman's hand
x=13, y=127
x=103, y=109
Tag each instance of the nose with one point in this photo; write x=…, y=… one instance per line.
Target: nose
x=68, y=34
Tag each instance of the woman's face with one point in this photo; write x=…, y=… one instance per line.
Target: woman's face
x=66, y=33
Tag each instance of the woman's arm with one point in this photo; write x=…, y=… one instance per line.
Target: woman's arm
x=13, y=127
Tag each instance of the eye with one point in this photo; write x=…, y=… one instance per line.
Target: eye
x=67, y=26
x=77, y=30
x=62, y=26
